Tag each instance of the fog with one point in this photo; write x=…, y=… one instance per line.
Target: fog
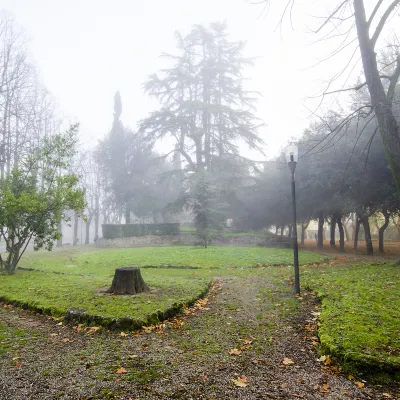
x=87, y=50
x=180, y=111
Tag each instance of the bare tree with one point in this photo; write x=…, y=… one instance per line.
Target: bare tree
x=357, y=26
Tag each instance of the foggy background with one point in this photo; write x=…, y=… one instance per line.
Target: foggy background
x=86, y=50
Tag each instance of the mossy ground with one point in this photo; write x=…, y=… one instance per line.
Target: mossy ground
x=192, y=358
x=67, y=279
x=360, y=318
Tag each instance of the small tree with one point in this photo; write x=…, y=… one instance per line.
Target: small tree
x=33, y=199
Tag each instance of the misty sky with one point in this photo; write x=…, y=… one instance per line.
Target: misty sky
x=85, y=50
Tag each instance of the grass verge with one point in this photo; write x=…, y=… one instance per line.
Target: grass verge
x=360, y=318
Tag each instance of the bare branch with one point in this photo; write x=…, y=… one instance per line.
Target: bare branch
x=331, y=16
x=374, y=11
x=393, y=81
x=382, y=21
x=358, y=87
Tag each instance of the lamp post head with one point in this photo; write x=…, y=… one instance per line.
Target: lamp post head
x=292, y=152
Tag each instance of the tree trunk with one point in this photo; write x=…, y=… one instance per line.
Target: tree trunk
x=290, y=231
x=282, y=229
x=303, y=230
x=346, y=231
x=356, y=232
x=87, y=230
x=382, y=231
x=320, y=243
x=333, y=228
x=75, y=237
x=59, y=241
x=128, y=280
x=127, y=216
x=341, y=234
x=276, y=230
x=381, y=104
x=96, y=217
x=367, y=232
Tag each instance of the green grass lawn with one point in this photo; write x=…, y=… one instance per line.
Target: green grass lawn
x=72, y=278
x=360, y=318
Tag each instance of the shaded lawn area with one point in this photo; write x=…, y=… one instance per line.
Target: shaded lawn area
x=360, y=318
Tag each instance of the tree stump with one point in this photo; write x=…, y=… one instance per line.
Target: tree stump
x=128, y=280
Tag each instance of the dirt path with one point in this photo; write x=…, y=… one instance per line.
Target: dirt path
x=188, y=358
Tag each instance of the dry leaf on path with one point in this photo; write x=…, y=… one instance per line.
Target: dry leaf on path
x=123, y=334
x=93, y=329
x=287, y=361
x=240, y=382
x=121, y=370
x=234, y=352
x=360, y=385
x=325, y=388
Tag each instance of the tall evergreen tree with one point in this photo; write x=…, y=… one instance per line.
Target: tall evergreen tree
x=204, y=106
x=206, y=111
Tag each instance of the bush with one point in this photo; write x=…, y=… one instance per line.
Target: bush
x=128, y=230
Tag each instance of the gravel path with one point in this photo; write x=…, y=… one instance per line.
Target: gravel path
x=243, y=342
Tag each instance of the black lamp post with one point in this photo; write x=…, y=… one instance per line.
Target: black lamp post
x=291, y=156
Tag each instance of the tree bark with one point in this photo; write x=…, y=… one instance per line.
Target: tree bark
x=382, y=230
x=388, y=126
x=87, y=230
x=367, y=232
x=333, y=228
x=290, y=231
x=127, y=216
x=320, y=243
x=341, y=234
x=128, y=280
x=346, y=231
x=59, y=241
x=75, y=237
x=356, y=231
x=96, y=216
x=303, y=230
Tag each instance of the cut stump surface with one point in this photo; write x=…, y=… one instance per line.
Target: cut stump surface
x=128, y=280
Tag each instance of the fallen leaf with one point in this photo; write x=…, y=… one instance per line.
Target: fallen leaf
x=287, y=361
x=234, y=352
x=325, y=387
x=388, y=395
x=121, y=370
x=247, y=341
x=360, y=385
x=18, y=363
x=240, y=382
x=65, y=340
x=93, y=329
x=123, y=334
x=53, y=334
x=351, y=377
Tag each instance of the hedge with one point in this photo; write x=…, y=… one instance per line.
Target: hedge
x=128, y=230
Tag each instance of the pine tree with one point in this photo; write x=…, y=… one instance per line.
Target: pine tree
x=207, y=112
